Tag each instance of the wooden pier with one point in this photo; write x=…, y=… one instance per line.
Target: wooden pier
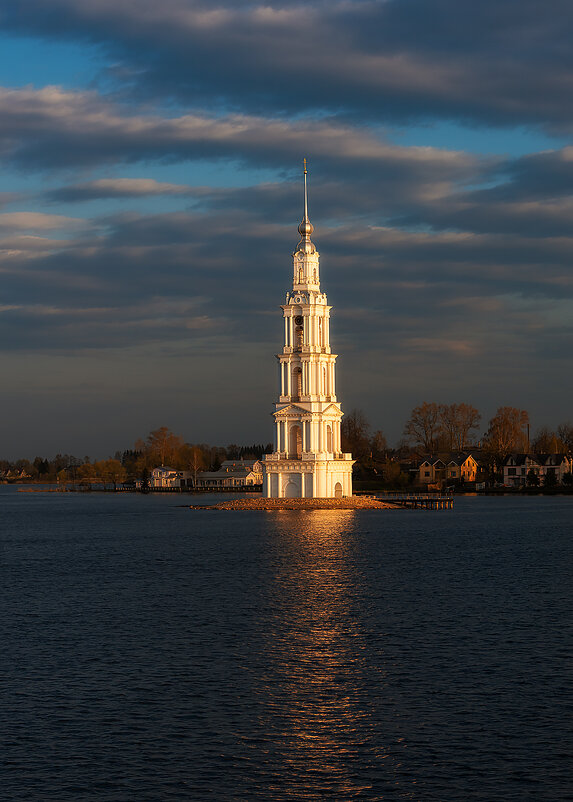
x=421, y=501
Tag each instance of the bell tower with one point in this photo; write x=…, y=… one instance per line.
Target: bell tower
x=307, y=461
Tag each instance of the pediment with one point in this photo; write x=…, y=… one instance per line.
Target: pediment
x=291, y=410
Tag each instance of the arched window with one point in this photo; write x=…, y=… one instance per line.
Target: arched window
x=296, y=389
x=299, y=334
x=295, y=442
x=329, y=437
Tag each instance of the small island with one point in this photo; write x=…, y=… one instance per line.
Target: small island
x=349, y=503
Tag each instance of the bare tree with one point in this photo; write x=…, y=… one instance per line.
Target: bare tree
x=424, y=426
x=354, y=432
x=547, y=442
x=196, y=462
x=565, y=434
x=507, y=432
x=378, y=445
x=163, y=446
x=458, y=420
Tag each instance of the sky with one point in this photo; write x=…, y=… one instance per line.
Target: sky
x=152, y=188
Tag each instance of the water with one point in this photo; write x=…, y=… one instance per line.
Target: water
x=151, y=652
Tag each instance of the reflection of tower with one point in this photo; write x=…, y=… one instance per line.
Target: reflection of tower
x=307, y=461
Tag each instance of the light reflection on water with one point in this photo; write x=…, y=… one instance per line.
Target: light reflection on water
x=314, y=698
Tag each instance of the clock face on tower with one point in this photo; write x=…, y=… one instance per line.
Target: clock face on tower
x=298, y=320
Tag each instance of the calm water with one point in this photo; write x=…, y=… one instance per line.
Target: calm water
x=150, y=652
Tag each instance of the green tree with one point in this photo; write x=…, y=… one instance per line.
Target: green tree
x=532, y=478
x=550, y=479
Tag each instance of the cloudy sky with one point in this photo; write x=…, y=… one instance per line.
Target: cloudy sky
x=151, y=190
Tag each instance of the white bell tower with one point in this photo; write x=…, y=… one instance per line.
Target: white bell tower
x=307, y=461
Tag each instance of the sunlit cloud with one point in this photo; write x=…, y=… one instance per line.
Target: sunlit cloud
x=105, y=188
x=38, y=221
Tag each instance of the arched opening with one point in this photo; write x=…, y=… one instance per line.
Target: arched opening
x=299, y=332
x=291, y=490
x=295, y=442
x=329, y=438
x=338, y=490
x=296, y=384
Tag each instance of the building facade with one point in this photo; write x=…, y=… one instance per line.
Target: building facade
x=167, y=478
x=519, y=469
x=232, y=475
x=308, y=461
x=451, y=469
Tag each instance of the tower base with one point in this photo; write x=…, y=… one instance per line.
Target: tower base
x=307, y=476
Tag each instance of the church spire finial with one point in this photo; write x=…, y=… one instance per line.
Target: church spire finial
x=305, y=228
x=305, y=193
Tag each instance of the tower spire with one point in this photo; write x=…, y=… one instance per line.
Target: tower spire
x=305, y=228
x=305, y=193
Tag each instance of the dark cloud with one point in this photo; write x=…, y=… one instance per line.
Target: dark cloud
x=501, y=63
x=423, y=315
x=50, y=127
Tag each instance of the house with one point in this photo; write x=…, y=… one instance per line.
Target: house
x=232, y=475
x=431, y=471
x=453, y=468
x=170, y=479
x=517, y=468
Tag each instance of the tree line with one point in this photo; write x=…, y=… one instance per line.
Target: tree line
x=437, y=429
x=431, y=429
x=160, y=447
